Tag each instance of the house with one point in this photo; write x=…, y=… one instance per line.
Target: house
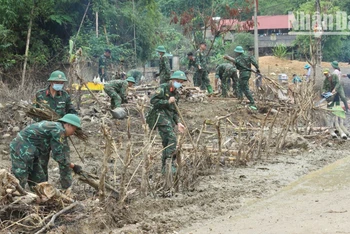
x=272, y=30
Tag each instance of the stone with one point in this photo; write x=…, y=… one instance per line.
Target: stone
x=1, y=106
x=87, y=118
x=7, y=135
x=15, y=129
x=19, y=115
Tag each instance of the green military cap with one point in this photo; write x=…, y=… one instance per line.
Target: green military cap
x=239, y=49
x=71, y=119
x=180, y=75
x=57, y=76
x=325, y=71
x=335, y=64
x=130, y=79
x=161, y=49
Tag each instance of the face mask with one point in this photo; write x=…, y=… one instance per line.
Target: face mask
x=177, y=84
x=57, y=87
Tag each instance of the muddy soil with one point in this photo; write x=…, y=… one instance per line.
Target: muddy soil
x=213, y=194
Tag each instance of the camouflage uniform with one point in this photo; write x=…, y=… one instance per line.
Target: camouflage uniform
x=196, y=81
x=164, y=70
x=31, y=146
x=226, y=72
x=334, y=84
x=104, y=63
x=116, y=90
x=202, y=74
x=61, y=104
x=136, y=74
x=243, y=63
x=168, y=118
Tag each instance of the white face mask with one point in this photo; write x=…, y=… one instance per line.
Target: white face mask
x=57, y=87
x=177, y=85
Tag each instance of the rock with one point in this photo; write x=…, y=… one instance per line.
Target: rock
x=6, y=135
x=87, y=118
x=274, y=111
x=19, y=115
x=1, y=106
x=15, y=129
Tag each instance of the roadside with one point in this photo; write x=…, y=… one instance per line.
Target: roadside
x=316, y=203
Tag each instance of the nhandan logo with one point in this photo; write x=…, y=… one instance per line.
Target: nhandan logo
x=319, y=24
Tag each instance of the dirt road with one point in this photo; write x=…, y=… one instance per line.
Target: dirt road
x=316, y=203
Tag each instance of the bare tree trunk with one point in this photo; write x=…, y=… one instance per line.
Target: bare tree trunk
x=27, y=46
x=96, y=23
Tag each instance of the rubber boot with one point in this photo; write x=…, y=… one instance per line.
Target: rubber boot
x=210, y=89
x=163, y=165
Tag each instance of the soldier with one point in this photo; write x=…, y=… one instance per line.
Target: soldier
x=136, y=74
x=103, y=65
x=308, y=72
x=116, y=90
x=33, y=142
x=192, y=63
x=332, y=84
x=59, y=101
x=225, y=72
x=201, y=68
x=243, y=63
x=164, y=65
x=165, y=111
x=335, y=66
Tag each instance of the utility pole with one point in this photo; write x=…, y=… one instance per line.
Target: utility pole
x=318, y=39
x=318, y=30
x=256, y=44
x=135, y=51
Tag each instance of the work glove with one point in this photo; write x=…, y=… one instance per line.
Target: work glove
x=77, y=169
x=119, y=113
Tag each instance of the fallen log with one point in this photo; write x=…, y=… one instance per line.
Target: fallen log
x=94, y=181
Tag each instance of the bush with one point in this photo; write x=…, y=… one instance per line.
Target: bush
x=280, y=51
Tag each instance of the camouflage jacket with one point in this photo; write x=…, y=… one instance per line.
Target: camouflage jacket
x=136, y=74
x=105, y=63
x=39, y=139
x=244, y=64
x=160, y=102
x=225, y=69
x=60, y=103
x=164, y=69
x=118, y=86
x=201, y=60
x=332, y=84
x=192, y=63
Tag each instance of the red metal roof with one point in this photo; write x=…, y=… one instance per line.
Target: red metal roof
x=264, y=22
x=274, y=22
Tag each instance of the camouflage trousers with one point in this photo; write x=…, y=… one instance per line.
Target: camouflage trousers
x=26, y=166
x=225, y=85
x=202, y=76
x=340, y=95
x=45, y=158
x=169, y=140
x=116, y=100
x=243, y=85
x=196, y=81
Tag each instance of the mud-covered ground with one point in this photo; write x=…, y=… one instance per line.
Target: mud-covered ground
x=213, y=193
